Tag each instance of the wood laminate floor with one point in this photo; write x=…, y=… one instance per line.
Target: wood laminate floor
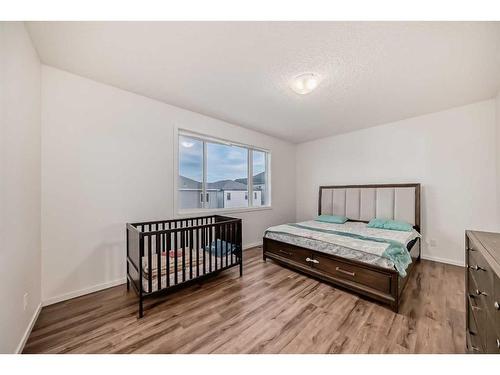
x=270, y=309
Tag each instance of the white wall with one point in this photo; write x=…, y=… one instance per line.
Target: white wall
x=107, y=158
x=451, y=153
x=19, y=184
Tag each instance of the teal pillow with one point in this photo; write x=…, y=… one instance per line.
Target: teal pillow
x=398, y=225
x=334, y=219
x=377, y=223
x=390, y=225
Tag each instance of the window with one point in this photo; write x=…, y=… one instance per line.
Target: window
x=190, y=173
x=260, y=177
x=227, y=166
x=215, y=174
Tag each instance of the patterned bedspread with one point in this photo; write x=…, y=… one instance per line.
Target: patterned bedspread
x=348, y=244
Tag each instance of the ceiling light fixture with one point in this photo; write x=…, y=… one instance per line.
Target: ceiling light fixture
x=305, y=83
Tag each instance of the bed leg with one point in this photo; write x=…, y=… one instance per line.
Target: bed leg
x=128, y=285
x=241, y=266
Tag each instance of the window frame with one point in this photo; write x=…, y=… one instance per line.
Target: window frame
x=206, y=138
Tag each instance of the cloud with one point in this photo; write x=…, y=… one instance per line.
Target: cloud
x=223, y=162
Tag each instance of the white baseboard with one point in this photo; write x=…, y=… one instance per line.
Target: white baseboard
x=27, y=333
x=250, y=245
x=96, y=288
x=81, y=292
x=443, y=260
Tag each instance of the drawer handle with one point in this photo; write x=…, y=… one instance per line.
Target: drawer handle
x=344, y=271
x=474, y=348
x=498, y=343
x=481, y=293
x=497, y=305
x=476, y=308
x=285, y=252
x=477, y=268
x=312, y=260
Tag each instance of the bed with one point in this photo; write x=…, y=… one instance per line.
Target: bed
x=375, y=263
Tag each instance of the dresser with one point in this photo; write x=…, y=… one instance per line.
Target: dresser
x=482, y=291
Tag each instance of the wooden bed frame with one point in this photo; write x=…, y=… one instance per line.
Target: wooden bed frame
x=378, y=283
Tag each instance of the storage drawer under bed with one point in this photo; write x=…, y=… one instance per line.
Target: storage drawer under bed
x=289, y=252
x=329, y=266
x=353, y=273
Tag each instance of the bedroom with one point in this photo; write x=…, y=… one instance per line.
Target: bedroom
x=207, y=187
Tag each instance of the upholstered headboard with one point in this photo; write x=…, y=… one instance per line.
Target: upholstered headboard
x=365, y=202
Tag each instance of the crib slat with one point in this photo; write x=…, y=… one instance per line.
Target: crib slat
x=233, y=259
x=197, y=247
x=158, y=256
x=202, y=232
x=209, y=229
x=226, y=230
x=163, y=239
x=234, y=243
x=190, y=232
x=228, y=243
x=222, y=238
x=183, y=247
x=167, y=255
x=216, y=237
x=175, y=254
x=220, y=261
x=150, y=268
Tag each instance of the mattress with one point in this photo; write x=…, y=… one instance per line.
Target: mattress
x=323, y=237
x=212, y=263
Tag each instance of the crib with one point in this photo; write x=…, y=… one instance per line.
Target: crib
x=168, y=254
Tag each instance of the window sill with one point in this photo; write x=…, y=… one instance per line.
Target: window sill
x=218, y=211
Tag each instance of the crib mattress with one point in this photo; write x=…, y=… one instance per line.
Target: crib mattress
x=211, y=263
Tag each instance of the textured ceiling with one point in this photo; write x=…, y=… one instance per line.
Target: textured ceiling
x=372, y=72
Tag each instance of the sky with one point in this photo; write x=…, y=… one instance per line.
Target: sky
x=223, y=162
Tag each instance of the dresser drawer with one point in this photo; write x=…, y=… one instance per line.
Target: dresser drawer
x=476, y=295
x=495, y=311
x=472, y=245
x=290, y=252
x=493, y=323
x=483, y=291
x=352, y=273
x=474, y=331
x=482, y=273
x=492, y=342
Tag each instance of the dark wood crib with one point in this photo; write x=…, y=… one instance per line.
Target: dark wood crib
x=167, y=254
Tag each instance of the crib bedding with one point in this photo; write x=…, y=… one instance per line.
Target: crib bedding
x=212, y=262
x=190, y=256
x=350, y=240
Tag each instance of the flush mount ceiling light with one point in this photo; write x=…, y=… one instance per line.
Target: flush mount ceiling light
x=305, y=83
